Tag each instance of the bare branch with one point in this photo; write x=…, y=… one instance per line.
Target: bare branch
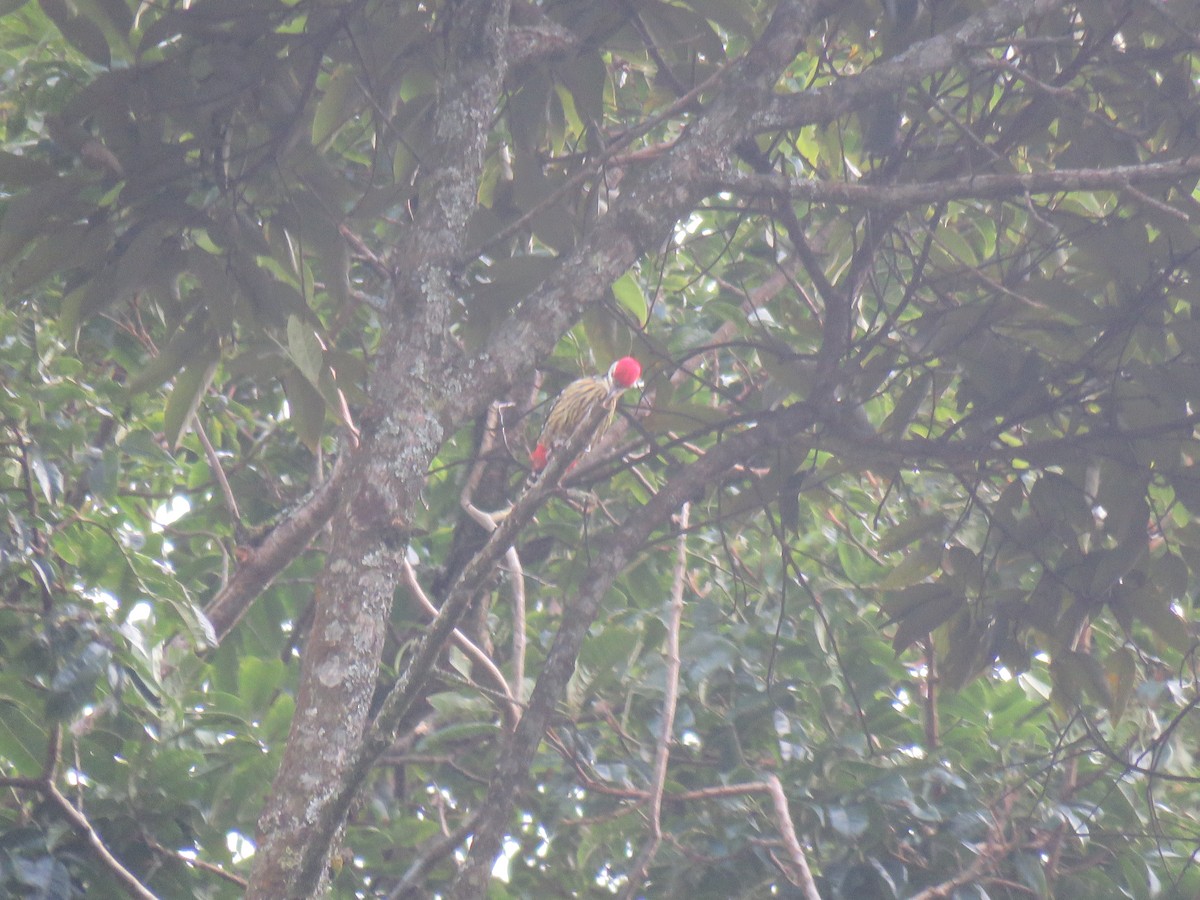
x=611, y=553
x=325, y=824
x=984, y=860
x=662, y=750
x=924, y=58
x=214, y=464
x=431, y=854
x=516, y=581
x=802, y=876
x=260, y=565
x=898, y=196
x=80, y=823
x=488, y=521
x=512, y=711
x=194, y=863
x=44, y=784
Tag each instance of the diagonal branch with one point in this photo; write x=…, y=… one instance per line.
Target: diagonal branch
x=404, y=424
x=801, y=874
x=412, y=684
x=922, y=59
x=611, y=554
x=260, y=565
x=516, y=574
x=81, y=824
x=45, y=785
x=650, y=202
x=464, y=643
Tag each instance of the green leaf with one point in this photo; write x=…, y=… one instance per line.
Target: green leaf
x=336, y=105
x=48, y=475
x=304, y=348
x=527, y=109
x=915, y=567
x=1166, y=625
x=22, y=739
x=1075, y=673
x=849, y=821
x=38, y=212
x=307, y=408
x=188, y=344
x=73, y=247
x=919, y=610
x=907, y=405
x=585, y=78
x=508, y=282
x=1117, y=562
x=909, y=530
x=629, y=294
x=1032, y=874
x=729, y=14
x=259, y=680
x=83, y=33
x=190, y=387
x=1056, y=498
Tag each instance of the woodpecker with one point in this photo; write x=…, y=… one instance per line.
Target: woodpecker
x=577, y=401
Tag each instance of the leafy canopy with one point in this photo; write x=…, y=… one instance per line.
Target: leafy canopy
x=913, y=290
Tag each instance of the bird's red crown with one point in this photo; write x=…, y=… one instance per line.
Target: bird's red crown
x=626, y=371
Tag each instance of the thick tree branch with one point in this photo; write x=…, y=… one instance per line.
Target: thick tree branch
x=924, y=58
x=403, y=428
x=650, y=204
x=970, y=187
x=324, y=823
x=258, y=566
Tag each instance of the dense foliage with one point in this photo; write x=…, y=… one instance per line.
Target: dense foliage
x=882, y=585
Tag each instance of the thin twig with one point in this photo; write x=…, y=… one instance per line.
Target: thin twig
x=932, y=726
x=434, y=852
x=489, y=522
x=978, y=867
x=464, y=643
x=516, y=582
x=618, y=142
x=214, y=463
x=1167, y=208
x=364, y=252
x=80, y=822
x=193, y=863
x=44, y=785
x=798, y=873
x=662, y=751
